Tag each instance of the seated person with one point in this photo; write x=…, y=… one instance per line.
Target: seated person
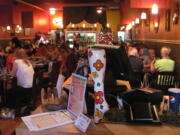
x=24, y=72
x=136, y=63
x=165, y=64
x=147, y=60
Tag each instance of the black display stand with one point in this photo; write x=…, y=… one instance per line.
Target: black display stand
x=142, y=105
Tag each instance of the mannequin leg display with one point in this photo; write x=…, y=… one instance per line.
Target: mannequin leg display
x=97, y=63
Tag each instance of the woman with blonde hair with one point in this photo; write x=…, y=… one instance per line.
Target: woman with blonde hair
x=165, y=64
x=24, y=72
x=22, y=69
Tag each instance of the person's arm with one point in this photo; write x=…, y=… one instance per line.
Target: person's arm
x=14, y=69
x=152, y=67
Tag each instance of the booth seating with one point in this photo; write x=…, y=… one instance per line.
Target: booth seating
x=163, y=81
x=141, y=104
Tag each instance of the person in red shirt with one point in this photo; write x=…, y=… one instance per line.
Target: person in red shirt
x=41, y=51
x=9, y=60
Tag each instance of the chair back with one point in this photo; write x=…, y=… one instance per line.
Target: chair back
x=137, y=79
x=163, y=81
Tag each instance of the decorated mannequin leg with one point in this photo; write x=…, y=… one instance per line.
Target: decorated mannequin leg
x=97, y=62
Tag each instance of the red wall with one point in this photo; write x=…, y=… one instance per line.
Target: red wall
x=40, y=20
x=128, y=14
x=151, y=39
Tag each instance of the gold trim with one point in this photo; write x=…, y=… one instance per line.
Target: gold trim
x=159, y=41
x=18, y=37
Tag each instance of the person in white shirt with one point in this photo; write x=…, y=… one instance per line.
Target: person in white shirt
x=22, y=69
x=24, y=72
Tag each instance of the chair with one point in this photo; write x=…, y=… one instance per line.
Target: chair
x=136, y=79
x=163, y=81
x=25, y=99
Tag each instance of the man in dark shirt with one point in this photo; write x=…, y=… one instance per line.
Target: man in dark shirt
x=136, y=63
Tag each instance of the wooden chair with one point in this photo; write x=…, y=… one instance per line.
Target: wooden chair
x=163, y=81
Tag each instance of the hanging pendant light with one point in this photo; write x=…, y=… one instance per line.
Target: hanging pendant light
x=154, y=9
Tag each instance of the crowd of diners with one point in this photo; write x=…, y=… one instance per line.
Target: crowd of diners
x=17, y=58
x=146, y=60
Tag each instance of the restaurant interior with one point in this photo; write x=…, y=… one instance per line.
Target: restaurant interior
x=121, y=56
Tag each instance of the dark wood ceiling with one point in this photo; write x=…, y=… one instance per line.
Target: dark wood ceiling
x=66, y=1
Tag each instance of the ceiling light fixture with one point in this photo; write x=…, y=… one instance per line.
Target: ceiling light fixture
x=99, y=10
x=52, y=11
x=84, y=25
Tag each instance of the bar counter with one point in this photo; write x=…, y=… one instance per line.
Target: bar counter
x=103, y=129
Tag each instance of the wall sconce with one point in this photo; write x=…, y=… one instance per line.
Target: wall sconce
x=122, y=28
x=108, y=25
x=155, y=9
x=8, y=28
x=143, y=16
x=18, y=29
x=133, y=23
x=3, y=28
x=95, y=25
x=156, y=27
x=128, y=27
x=137, y=21
x=72, y=25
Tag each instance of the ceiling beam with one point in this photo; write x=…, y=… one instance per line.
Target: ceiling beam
x=60, y=5
x=32, y=5
x=90, y=4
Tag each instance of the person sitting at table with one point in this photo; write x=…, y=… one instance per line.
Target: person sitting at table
x=165, y=64
x=135, y=61
x=9, y=59
x=2, y=57
x=24, y=72
x=41, y=51
x=147, y=60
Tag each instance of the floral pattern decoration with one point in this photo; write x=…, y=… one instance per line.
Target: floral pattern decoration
x=95, y=75
x=98, y=113
x=98, y=65
x=90, y=53
x=98, y=84
x=98, y=97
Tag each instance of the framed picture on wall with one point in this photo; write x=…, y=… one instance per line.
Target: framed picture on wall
x=148, y=21
x=176, y=14
x=27, y=31
x=167, y=20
